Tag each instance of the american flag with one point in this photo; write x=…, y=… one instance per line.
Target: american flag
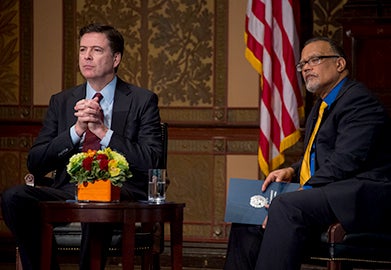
x=272, y=48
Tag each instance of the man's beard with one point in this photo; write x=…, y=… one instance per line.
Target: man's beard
x=311, y=87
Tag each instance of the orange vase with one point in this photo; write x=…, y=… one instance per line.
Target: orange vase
x=99, y=191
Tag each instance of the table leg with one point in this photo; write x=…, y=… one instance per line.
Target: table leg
x=128, y=242
x=96, y=231
x=46, y=245
x=176, y=232
x=147, y=259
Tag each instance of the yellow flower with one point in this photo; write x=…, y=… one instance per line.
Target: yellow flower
x=113, y=168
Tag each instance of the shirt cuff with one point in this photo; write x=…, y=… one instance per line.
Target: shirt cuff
x=74, y=137
x=107, y=138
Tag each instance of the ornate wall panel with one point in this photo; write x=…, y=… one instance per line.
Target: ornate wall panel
x=197, y=171
x=327, y=15
x=15, y=91
x=13, y=158
x=16, y=59
x=176, y=48
x=9, y=70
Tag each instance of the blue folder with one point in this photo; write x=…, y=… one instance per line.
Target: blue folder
x=246, y=202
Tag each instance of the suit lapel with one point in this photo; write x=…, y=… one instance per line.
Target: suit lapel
x=312, y=120
x=77, y=94
x=121, y=106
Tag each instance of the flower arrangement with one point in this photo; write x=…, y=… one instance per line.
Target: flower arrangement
x=101, y=164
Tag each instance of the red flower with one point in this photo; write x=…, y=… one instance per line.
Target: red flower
x=101, y=157
x=87, y=163
x=103, y=164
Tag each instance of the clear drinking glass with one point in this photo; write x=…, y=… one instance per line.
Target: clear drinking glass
x=157, y=185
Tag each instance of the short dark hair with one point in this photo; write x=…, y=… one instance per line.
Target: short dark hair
x=116, y=40
x=333, y=44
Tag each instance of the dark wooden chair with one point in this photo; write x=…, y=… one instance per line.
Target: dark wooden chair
x=149, y=240
x=343, y=250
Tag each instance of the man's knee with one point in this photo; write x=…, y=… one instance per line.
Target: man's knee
x=7, y=197
x=284, y=204
x=11, y=194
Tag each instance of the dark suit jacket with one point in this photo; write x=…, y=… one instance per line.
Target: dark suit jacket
x=353, y=158
x=137, y=135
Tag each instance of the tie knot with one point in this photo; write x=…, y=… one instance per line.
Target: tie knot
x=99, y=96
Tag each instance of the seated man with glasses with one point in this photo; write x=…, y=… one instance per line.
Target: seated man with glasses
x=345, y=172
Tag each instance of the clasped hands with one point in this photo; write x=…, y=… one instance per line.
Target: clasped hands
x=280, y=175
x=89, y=116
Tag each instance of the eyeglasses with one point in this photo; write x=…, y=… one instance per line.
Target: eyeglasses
x=313, y=61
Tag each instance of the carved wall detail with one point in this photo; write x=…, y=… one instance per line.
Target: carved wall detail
x=169, y=45
x=9, y=47
x=176, y=48
x=327, y=16
x=16, y=59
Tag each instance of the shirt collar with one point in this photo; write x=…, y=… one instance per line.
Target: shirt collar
x=330, y=98
x=107, y=92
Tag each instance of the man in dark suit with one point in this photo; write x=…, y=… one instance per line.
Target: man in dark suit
x=349, y=170
x=131, y=126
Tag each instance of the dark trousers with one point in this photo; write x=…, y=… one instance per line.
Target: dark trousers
x=243, y=247
x=20, y=209
x=295, y=221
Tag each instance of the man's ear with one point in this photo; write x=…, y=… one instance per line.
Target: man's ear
x=117, y=59
x=341, y=64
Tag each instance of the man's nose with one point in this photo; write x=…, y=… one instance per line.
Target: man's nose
x=305, y=67
x=88, y=54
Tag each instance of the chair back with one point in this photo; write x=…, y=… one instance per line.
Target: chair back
x=164, y=134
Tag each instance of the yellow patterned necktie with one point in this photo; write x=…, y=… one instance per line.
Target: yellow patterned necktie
x=305, y=171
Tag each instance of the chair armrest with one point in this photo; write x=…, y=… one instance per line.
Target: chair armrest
x=336, y=233
x=31, y=180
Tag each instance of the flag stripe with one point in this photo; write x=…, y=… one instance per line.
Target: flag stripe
x=272, y=49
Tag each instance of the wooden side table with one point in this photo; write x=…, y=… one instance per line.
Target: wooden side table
x=125, y=213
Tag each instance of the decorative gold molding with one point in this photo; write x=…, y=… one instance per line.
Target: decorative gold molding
x=238, y=116
x=244, y=115
x=213, y=146
x=243, y=147
x=16, y=143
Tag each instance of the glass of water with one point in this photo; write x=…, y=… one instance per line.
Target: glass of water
x=157, y=185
